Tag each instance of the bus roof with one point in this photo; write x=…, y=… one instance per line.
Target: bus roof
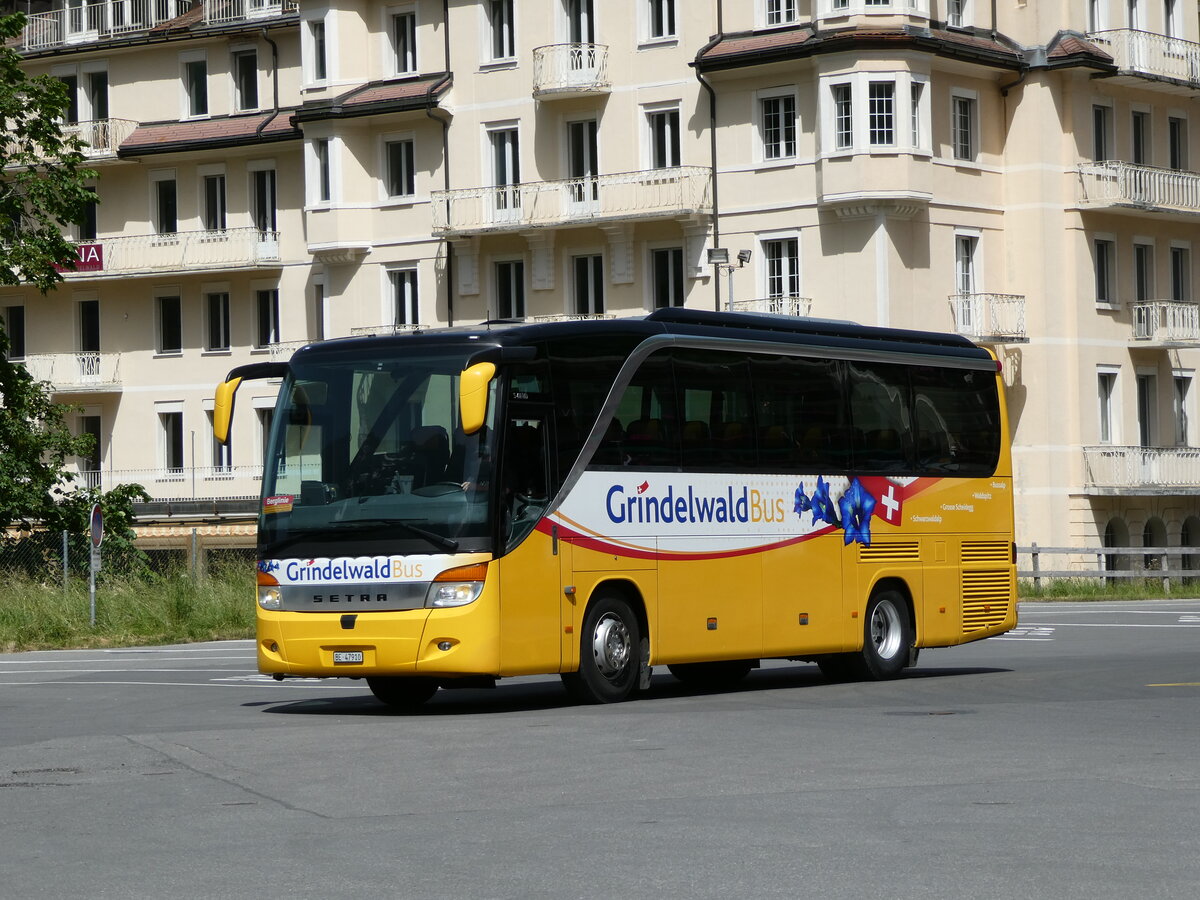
x=739, y=326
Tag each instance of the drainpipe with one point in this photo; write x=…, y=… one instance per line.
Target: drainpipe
x=445, y=123
x=712, y=146
x=274, y=85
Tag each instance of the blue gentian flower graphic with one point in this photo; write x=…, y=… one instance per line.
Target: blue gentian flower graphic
x=822, y=505
x=803, y=504
x=857, y=506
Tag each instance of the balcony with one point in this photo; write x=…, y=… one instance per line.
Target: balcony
x=101, y=137
x=1119, y=186
x=105, y=20
x=147, y=254
x=1113, y=470
x=77, y=373
x=570, y=70
x=188, y=483
x=780, y=306
x=630, y=196
x=1166, y=323
x=1173, y=63
x=990, y=318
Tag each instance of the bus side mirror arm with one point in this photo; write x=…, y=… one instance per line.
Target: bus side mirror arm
x=223, y=401
x=472, y=395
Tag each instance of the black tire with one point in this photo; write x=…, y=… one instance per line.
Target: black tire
x=609, y=652
x=712, y=675
x=406, y=694
x=887, y=636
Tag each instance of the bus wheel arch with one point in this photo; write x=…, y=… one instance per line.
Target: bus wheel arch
x=889, y=630
x=613, y=643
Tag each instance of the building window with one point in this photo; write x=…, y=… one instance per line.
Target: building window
x=963, y=119
x=881, y=100
x=214, y=202
x=965, y=248
x=510, y=289
x=1171, y=18
x=1143, y=272
x=401, y=168
x=216, y=307
x=320, y=56
x=166, y=208
x=503, y=37
x=404, y=42
x=1101, y=132
x=322, y=173
x=664, y=138
x=14, y=327
x=170, y=325
x=843, y=116
x=662, y=19
x=222, y=454
x=195, y=86
x=1105, y=259
x=588, y=272
x=1182, y=409
x=778, y=127
x=782, y=260
x=781, y=12
x=1177, y=141
x=266, y=330
x=88, y=227
x=170, y=434
x=1181, y=274
x=666, y=267
x=405, y=310
x=1147, y=403
x=262, y=200
x=917, y=92
x=505, y=146
x=1096, y=15
x=245, y=80
x=1106, y=389
x=1139, y=128
x=320, y=310
x=956, y=13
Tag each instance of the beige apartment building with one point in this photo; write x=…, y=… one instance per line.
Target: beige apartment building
x=272, y=173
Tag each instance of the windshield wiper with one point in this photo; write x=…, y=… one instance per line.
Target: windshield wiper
x=438, y=540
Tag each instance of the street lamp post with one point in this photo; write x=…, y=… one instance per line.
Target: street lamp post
x=718, y=257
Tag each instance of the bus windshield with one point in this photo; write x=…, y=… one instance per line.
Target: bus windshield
x=368, y=451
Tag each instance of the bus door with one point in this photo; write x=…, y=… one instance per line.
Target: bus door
x=530, y=586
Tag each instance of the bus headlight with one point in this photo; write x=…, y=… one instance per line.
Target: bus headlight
x=456, y=587
x=270, y=596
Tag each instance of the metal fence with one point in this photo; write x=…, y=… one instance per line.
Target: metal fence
x=1170, y=565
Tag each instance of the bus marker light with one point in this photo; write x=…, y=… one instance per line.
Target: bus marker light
x=941, y=609
x=803, y=618
x=854, y=614
x=712, y=624
x=570, y=629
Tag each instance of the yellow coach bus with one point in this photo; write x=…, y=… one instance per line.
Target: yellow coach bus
x=692, y=489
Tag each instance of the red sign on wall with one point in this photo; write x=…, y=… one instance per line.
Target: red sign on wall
x=89, y=258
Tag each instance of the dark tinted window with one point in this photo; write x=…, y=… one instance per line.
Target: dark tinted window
x=801, y=414
x=582, y=371
x=646, y=417
x=957, y=417
x=717, y=409
x=879, y=415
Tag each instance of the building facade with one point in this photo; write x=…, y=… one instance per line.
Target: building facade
x=271, y=173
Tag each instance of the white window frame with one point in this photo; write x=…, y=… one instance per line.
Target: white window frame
x=975, y=236
x=385, y=171
x=1097, y=15
x=963, y=17
x=156, y=176
x=185, y=85
x=777, y=13
x=572, y=298
x=203, y=173
x=651, y=249
x=828, y=9
x=1108, y=132
x=256, y=287
x=671, y=11
x=1136, y=112
x=1181, y=250
x=649, y=112
x=252, y=168
x=1147, y=427
x=1183, y=406
x=494, y=296
x=761, y=99
x=322, y=310
x=764, y=266
x=308, y=48
x=11, y=302
x=902, y=114
x=171, y=292
x=1172, y=21
x=971, y=99
x=390, y=307
x=489, y=56
x=1177, y=115
x=392, y=52
x=234, y=100
x=1111, y=272
x=1108, y=408
x=318, y=169
x=162, y=409
x=1148, y=243
x=220, y=455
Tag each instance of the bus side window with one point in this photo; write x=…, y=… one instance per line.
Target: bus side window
x=801, y=416
x=523, y=483
x=957, y=420
x=719, y=429
x=648, y=418
x=879, y=413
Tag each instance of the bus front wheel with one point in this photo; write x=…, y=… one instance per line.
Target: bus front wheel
x=609, y=653
x=887, y=636
x=402, y=693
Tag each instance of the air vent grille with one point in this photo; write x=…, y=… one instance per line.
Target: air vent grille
x=898, y=551
x=986, y=599
x=986, y=551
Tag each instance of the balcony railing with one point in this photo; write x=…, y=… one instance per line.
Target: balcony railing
x=1161, y=470
x=565, y=70
x=222, y=12
x=101, y=137
x=1166, y=322
x=646, y=194
x=1117, y=183
x=989, y=318
x=781, y=306
x=183, y=250
x=569, y=317
x=82, y=371
x=365, y=330
x=1151, y=55
x=82, y=23
x=184, y=483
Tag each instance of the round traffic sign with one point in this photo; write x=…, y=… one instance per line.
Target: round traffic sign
x=97, y=525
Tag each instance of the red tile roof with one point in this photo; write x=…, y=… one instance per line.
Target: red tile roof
x=749, y=43
x=163, y=137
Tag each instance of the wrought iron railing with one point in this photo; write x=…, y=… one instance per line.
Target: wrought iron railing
x=645, y=194
x=989, y=316
x=786, y=305
x=570, y=68
x=101, y=137
x=83, y=370
x=1148, y=54
x=220, y=12
x=1142, y=468
x=1117, y=182
x=82, y=23
x=1166, y=321
x=229, y=248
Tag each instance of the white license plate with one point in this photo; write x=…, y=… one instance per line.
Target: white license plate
x=347, y=656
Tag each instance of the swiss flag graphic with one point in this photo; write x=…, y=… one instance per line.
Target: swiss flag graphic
x=890, y=504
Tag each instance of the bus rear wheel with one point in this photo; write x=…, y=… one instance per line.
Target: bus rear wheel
x=609, y=653
x=404, y=694
x=712, y=675
x=887, y=636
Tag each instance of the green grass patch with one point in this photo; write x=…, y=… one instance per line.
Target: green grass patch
x=159, y=609
x=1095, y=589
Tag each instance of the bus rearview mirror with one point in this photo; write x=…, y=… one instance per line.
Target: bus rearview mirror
x=223, y=408
x=472, y=395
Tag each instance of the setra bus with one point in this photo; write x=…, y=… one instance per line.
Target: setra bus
x=693, y=489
